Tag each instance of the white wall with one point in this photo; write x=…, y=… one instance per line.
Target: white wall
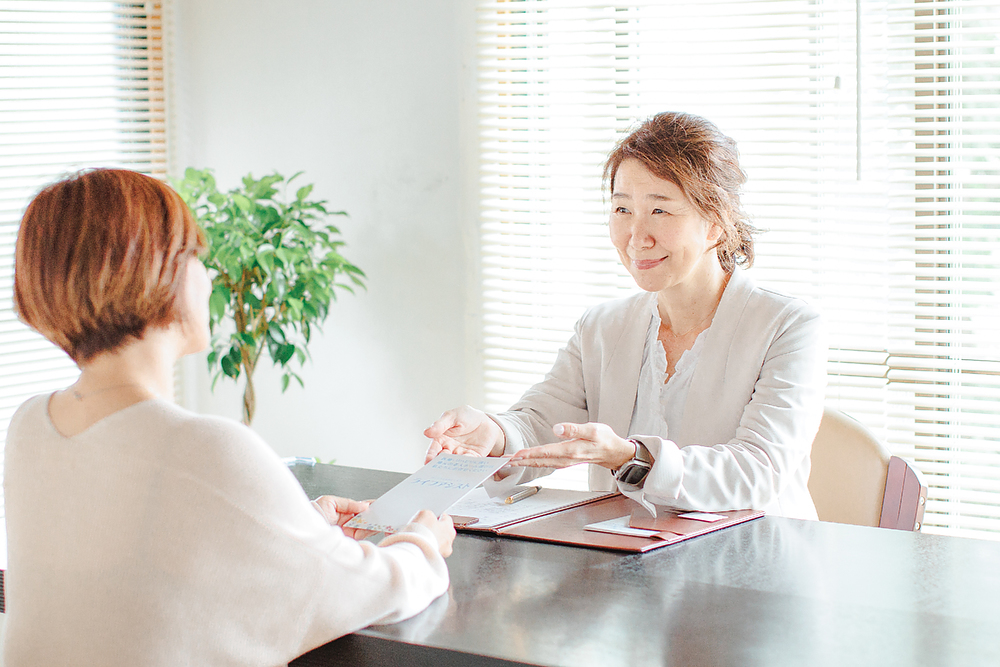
x=372, y=100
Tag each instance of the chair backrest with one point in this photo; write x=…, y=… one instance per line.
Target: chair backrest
x=856, y=480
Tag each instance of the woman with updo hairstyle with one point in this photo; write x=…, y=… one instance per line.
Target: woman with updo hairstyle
x=139, y=533
x=703, y=391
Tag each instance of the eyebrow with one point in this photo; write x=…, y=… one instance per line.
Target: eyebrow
x=622, y=195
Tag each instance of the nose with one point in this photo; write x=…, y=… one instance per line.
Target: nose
x=640, y=238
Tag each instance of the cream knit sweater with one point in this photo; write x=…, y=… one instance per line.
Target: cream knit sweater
x=161, y=537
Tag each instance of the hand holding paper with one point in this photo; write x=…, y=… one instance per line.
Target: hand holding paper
x=338, y=511
x=464, y=430
x=435, y=487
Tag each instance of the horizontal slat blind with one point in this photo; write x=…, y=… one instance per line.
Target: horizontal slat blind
x=836, y=182
x=81, y=85
x=944, y=307
x=548, y=100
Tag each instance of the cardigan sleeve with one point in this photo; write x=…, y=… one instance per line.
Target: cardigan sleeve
x=559, y=397
x=769, y=454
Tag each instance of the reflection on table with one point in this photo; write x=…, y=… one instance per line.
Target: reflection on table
x=770, y=592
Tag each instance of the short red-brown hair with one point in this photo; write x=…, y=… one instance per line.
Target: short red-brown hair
x=692, y=153
x=100, y=258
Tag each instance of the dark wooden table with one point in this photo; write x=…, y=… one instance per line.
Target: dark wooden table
x=771, y=592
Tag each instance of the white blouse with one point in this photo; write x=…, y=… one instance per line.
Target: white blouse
x=659, y=404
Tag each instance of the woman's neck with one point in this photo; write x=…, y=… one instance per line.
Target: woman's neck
x=146, y=364
x=686, y=307
x=138, y=371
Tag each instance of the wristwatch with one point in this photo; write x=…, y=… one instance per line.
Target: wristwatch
x=634, y=472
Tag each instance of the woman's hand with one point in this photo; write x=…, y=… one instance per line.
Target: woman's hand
x=464, y=430
x=338, y=511
x=443, y=529
x=582, y=443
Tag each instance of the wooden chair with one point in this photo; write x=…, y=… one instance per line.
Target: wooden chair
x=856, y=480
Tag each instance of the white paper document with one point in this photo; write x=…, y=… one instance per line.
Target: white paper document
x=435, y=487
x=491, y=512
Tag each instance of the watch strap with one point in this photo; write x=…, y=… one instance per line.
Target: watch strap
x=635, y=471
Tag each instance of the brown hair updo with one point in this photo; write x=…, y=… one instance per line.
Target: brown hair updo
x=695, y=155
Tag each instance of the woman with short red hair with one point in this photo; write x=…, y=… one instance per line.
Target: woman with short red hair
x=139, y=533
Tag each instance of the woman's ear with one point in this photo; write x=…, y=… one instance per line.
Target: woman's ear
x=715, y=232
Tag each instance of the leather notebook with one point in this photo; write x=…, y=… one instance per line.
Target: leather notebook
x=568, y=526
x=677, y=525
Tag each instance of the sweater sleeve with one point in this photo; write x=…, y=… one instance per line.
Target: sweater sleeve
x=358, y=583
x=314, y=581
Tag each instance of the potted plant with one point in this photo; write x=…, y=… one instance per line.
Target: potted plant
x=275, y=264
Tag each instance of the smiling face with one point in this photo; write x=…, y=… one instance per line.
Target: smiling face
x=661, y=237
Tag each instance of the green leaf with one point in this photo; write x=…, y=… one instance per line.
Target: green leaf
x=277, y=334
x=294, y=307
x=303, y=192
x=242, y=202
x=278, y=256
x=218, y=302
x=283, y=255
x=284, y=382
x=229, y=368
x=285, y=353
x=266, y=259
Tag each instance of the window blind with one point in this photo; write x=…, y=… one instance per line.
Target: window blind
x=868, y=131
x=81, y=85
x=944, y=228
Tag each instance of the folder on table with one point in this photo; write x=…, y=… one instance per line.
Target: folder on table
x=569, y=525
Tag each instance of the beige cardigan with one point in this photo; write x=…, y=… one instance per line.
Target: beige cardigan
x=751, y=412
x=161, y=537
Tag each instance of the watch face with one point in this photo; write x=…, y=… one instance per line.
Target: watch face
x=633, y=474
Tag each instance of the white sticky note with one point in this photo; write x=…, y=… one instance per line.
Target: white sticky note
x=619, y=526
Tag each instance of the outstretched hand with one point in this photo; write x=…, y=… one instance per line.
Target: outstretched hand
x=464, y=430
x=338, y=511
x=581, y=443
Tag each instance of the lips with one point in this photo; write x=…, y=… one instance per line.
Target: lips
x=646, y=264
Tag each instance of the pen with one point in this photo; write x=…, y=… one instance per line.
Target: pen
x=522, y=494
